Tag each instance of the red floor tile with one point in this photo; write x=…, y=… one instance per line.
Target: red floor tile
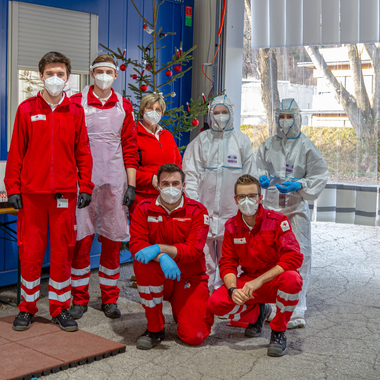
x=72, y=346
x=45, y=346
x=17, y=361
x=40, y=327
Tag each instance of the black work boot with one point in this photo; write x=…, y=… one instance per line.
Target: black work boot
x=23, y=321
x=65, y=321
x=149, y=339
x=256, y=329
x=111, y=310
x=277, y=344
x=77, y=311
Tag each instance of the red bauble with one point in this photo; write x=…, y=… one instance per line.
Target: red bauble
x=169, y=73
x=134, y=76
x=123, y=67
x=149, y=68
x=177, y=68
x=195, y=122
x=143, y=87
x=144, y=26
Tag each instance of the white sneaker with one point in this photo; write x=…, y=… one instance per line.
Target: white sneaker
x=297, y=323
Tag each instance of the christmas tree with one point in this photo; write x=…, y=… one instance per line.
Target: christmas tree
x=146, y=79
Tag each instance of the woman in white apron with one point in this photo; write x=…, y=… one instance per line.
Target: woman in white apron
x=112, y=134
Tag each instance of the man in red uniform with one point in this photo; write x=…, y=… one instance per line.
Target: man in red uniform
x=112, y=133
x=49, y=155
x=262, y=242
x=168, y=234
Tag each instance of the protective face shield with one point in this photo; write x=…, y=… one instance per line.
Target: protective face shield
x=221, y=121
x=289, y=127
x=152, y=117
x=286, y=124
x=170, y=194
x=54, y=85
x=103, y=81
x=248, y=206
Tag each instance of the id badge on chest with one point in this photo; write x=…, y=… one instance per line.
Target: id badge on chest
x=61, y=202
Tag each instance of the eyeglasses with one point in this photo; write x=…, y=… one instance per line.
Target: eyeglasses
x=149, y=109
x=252, y=196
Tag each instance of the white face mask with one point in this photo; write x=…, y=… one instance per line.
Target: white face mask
x=54, y=85
x=152, y=117
x=103, y=81
x=248, y=206
x=221, y=121
x=285, y=125
x=170, y=194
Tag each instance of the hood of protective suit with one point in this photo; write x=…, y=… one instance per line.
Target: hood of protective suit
x=229, y=125
x=290, y=107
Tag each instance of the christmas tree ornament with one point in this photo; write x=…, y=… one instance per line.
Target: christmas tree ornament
x=144, y=26
x=134, y=76
x=177, y=68
x=188, y=107
x=123, y=67
x=173, y=94
x=203, y=96
x=169, y=73
x=149, y=68
x=143, y=87
x=195, y=122
x=142, y=73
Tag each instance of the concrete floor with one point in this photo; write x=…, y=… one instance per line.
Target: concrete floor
x=340, y=341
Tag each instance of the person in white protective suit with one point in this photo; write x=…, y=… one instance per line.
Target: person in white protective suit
x=293, y=172
x=112, y=134
x=213, y=162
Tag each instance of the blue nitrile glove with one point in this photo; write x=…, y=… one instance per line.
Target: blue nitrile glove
x=264, y=182
x=169, y=267
x=288, y=187
x=147, y=254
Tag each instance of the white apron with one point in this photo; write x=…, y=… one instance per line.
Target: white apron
x=105, y=215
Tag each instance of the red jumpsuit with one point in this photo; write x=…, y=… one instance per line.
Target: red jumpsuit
x=49, y=154
x=153, y=154
x=112, y=132
x=186, y=228
x=271, y=242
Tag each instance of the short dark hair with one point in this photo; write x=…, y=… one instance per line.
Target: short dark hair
x=170, y=168
x=247, y=179
x=54, y=57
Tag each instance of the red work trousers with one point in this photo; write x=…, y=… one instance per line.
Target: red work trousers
x=109, y=270
x=188, y=301
x=283, y=290
x=38, y=212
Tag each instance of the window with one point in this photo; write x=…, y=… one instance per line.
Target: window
x=35, y=30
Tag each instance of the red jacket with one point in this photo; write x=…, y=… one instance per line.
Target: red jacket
x=128, y=133
x=50, y=151
x=185, y=228
x=271, y=242
x=153, y=154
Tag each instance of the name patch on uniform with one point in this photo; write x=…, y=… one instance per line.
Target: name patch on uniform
x=182, y=219
x=155, y=219
x=240, y=241
x=207, y=219
x=285, y=226
x=38, y=117
x=232, y=159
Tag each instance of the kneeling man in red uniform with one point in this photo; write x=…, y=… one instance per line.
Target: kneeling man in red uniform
x=168, y=234
x=262, y=242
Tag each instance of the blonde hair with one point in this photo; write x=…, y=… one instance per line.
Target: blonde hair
x=247, y=179
x=149, y=100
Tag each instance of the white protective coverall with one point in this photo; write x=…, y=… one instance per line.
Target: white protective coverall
x=105, y=215
x=292, y=157
x=213, y=162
